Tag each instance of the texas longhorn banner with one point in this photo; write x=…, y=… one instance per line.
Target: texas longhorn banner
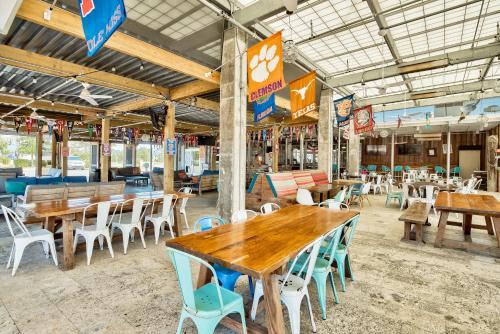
x=263, y=107
x=343, y=110
x=363, y=119
x=100, y=19
x=303, y=95
x=265, y=67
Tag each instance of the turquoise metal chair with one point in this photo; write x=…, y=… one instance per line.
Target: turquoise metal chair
x=342, y=251
x=407, y=168
x=372, y=168
x=323, y=267
x=398, y=169
x=334, y=168
x=226, y=277
x=207, y=305
x=385, y=169
x=393, y=195
x=439, y=170
x=356, y=190
x=347, y=197
x=456, y=171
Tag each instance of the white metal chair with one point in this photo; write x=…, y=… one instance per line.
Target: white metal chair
x=430, y=195
x=269, y=208
x=365, y=191
x=477, y=185
x=128, y=226
x=98, y=230
x=410, y=195
x=242, y=215
x=333, y=205
x=166, y=216
x=304, y=197
x=23, y=237
x=293, y=287
x=377, y=185
x=182, y=209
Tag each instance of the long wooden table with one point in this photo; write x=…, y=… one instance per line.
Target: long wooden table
x=260, y=247
x=468, y=205
x=68, y=209
x=322, y=192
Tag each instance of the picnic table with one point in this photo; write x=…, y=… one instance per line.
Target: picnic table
x=259, y=248
x=68, y=209
x=468, y=205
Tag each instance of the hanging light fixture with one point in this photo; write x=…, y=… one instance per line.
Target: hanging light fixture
x=289, y=47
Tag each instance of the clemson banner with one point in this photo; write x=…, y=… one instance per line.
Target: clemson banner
x=303, y=95
x=265, y=67
x=363, y=119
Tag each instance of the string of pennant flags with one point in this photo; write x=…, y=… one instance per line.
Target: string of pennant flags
x=310, y=131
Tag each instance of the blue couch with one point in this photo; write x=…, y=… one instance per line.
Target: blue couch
x=47, y=180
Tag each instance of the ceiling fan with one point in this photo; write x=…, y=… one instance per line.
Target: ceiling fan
x=87, y=96
x=382, y=90
x=408, y=116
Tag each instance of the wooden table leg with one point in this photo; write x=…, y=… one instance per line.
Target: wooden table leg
x=496, y=222
x=443, y=220
x=49, y=224
x=489, y=225
x=467, y=224
x=274, y=312
x=177, y=221
x=419, y=233
x=204, y=276
x=68, y=259
x=406, y=235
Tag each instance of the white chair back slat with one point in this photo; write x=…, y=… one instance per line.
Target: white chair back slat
x=14, y=222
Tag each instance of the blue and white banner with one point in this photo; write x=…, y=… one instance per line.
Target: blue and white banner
x=344, y=110
x=100, y=19
x=263, y=107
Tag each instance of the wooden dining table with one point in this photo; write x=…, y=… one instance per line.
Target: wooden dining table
x=68, y=210
x=261, y=247
x=468, y=205
x=322, y=192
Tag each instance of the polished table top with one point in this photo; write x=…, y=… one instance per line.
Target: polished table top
x=475, y=204
x=70, y=206
x=263, y=244
x=322, y=188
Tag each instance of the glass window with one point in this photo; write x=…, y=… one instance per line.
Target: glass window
x=18, y=151
x=143, y=157
x=117, y=155
x=157, y=155
x=80, y=158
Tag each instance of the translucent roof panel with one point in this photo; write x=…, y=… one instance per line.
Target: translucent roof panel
x=213, y=49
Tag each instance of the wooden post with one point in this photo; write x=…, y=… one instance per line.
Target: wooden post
x=392, y=153
x=39, y=153
x=63, y=156
x=168, y=160
x=276, y=147
x=301, y=149
x=448, y=154
x=53, y=161
x=105, y=141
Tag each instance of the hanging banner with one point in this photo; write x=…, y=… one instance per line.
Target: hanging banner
x=363, y=120
x=171, y=146
x=29, y=124
x=343, y=110
x=265, y=67
x=100, y=19
x=263, y=107
x=303, y=95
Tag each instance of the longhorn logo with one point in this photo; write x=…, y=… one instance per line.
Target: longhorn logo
x=86, y=7
x=303, y=90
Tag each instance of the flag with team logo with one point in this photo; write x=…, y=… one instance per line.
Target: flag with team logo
x=303, y=95
x=100, y=19
x=265, y=67
x=343, y=110
x=363, y=119
x=263, y=107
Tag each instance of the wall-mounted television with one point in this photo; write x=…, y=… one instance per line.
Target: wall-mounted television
x=410, y=149
x=376, y=149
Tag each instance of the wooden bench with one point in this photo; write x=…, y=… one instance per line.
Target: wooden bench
x=417, y=214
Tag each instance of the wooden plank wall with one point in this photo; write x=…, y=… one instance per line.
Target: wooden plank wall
x=457, y=140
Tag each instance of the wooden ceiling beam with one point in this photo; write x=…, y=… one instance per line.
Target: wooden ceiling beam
x=60, y=68
x=70, y=24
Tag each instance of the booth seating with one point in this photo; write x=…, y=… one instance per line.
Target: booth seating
x=206, y=181
x=281, y=188
x=54, y=172
x=5, y=197
x=18, y=171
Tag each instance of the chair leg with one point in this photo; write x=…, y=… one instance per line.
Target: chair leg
x=157, y=228
x=349, y=266
x=293, y=306
x=10, y=256
x=320, y=281
x=243, y=320
x=341, y=269
x=311, y=316
x=100, y=238
x=45, y=247
x=334, y=289
x=108, y=241
x=250, y=286
x=90, y=247
x=53, y=251
x=75, y=242
x=126, y=236
x=142, y=237
x=185, y=219
x=256, y=297
x=18, y=254
x=181, y=322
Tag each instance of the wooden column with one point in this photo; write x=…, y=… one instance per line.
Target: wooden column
x=392, y=153
x=53, y=160
x=106, y=122
x=168, y=160
x=39, y=153
x=65, y=148
x=276, y=147
x=301, y=149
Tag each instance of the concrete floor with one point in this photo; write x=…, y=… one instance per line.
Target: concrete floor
x=398, y=287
